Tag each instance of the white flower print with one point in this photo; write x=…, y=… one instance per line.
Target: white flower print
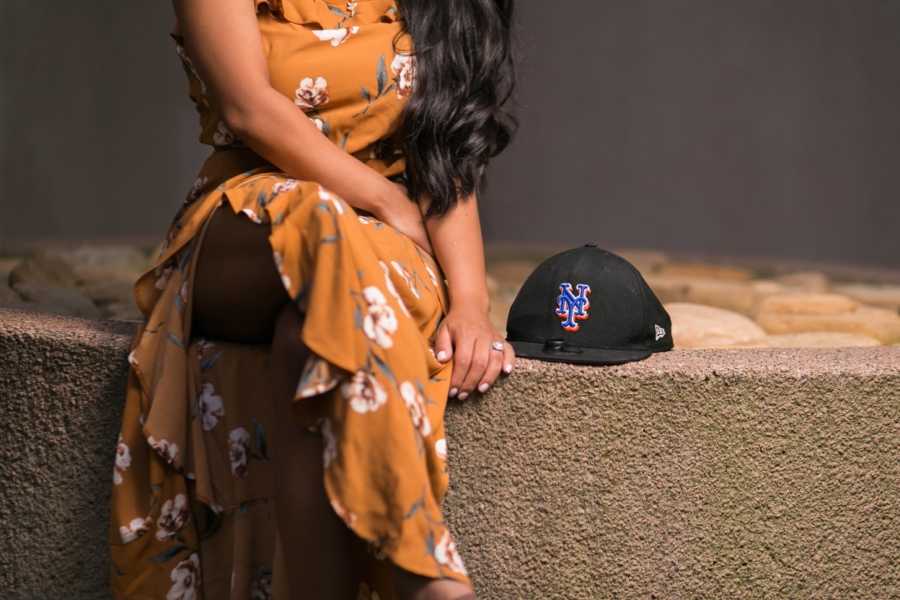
x=431, y=274
x=167, y=450
x=284, y=186
x=380, y=321
x=311, y=92
x=320, y=124
x=407, y=277
x=173, y=516
x=415, y=403
x=336, y=36
x=210, y=406
x=445, y=553
x=123, y=460
x=404, y=68
x=196, y=187
x=123, y=455
x=135, y=529
x=391, y=289
x=279, y=265
x=162, y=277
x=252, y=214
x=185, y=579
x=366, y=593
x=327, y=196
x=317, y=377
x=179, y=49
x=183, y=294
x=204, y=349
x=238, y=450
x=223, y=136
x=364, y=393
x=349, y=517
x=330, y=449
x=261, y=587
x=440, y=448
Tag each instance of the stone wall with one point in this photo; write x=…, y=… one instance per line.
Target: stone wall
x=694, y=474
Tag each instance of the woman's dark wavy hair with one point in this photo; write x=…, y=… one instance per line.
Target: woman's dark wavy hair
x=455, y=121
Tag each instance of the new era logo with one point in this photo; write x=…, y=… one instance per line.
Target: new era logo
x=660, y=332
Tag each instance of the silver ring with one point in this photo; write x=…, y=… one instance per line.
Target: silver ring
x=497, y=345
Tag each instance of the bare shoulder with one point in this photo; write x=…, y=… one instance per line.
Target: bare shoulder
x=223, y=39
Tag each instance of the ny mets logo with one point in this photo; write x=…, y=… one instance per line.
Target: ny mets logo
x=572, y=308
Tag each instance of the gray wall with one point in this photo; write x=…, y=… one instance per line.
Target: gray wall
x=752, y=127
x=98, y=133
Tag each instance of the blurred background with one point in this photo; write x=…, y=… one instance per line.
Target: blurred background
x=750, y=129
x=743, y=127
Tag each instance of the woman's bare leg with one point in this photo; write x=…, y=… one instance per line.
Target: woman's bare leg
x=239, y=297
x=237, y=289
x=318, y=546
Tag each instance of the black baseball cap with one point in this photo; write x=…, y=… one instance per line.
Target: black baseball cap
x=590, y=306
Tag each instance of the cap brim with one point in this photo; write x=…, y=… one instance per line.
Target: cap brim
x=582, y=356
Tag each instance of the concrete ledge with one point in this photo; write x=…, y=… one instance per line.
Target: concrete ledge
x=694, y=474
x=61, y=387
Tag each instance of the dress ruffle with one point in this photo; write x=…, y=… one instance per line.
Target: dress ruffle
x=329, y=15
x=370, y=296
x=191, y=511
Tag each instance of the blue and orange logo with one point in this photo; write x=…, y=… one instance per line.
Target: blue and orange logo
x=572, y=307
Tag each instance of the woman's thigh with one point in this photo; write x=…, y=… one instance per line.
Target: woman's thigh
x=237, y=291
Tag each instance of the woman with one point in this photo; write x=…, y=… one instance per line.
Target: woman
x=319, y=296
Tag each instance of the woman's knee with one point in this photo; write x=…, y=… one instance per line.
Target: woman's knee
x=237, y=288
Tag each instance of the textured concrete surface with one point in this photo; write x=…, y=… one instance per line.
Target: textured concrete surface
x=61, y=385
x=694, y=474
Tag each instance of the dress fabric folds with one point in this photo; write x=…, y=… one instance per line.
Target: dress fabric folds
x=191, y=510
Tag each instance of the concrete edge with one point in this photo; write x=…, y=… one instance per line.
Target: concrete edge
x=693, y=364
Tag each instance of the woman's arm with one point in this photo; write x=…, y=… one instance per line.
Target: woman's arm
x=223, y=40
x=466, y=330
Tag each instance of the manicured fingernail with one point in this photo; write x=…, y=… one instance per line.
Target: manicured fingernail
x=442, y=355
x=463, y=395
x=453, y=391
x=507, y=368
x=483, y=387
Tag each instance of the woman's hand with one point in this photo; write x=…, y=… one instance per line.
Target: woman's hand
x=404, y=215
x=466, y=333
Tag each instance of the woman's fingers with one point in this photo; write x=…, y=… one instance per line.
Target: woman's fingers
x=492, y=370
x=443, y=343
x=481, y=358
x=509, y=357
x=462, y=351
x=476, y=365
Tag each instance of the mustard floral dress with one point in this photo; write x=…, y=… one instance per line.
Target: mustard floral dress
x=191, y=510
